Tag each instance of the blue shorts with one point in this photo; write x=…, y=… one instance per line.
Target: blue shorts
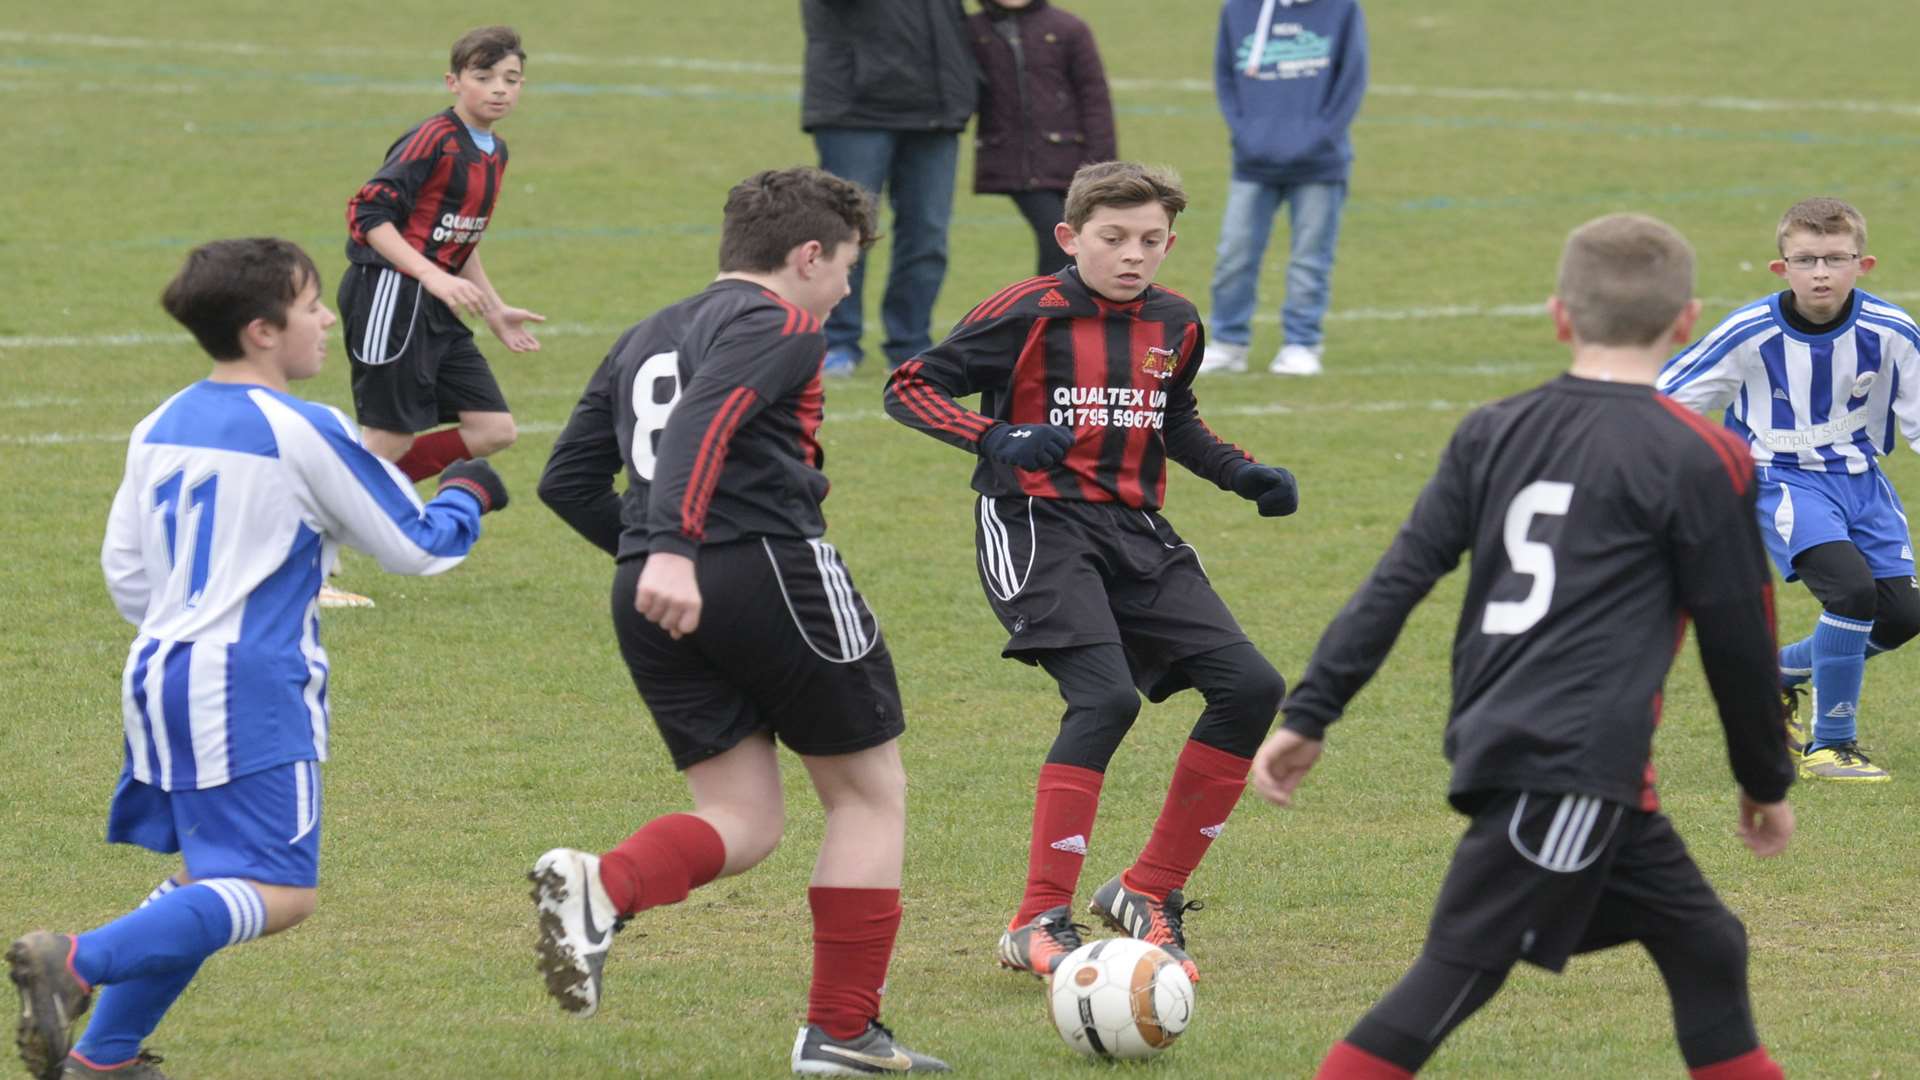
x=1800, y=509
x=263, y=826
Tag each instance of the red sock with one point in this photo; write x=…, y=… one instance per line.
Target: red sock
x=1206, y=783
x=432, y=452
x=668, y=858
x=1348, y=1062
x=1752, y=1065
x=1063, y=810
x=853, y=932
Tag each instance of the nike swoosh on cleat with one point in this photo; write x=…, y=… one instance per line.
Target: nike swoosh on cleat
x=897, y=1062
x=595, y=935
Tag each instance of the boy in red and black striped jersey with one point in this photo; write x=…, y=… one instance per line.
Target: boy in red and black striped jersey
x=738, y=621
x=1085, y=383
x=413, y=236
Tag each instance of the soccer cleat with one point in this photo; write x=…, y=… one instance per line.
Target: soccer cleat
x=1138, y=914
x=52, y=997
x=1223, y=357
x=815, y=1053
x=1796, y=723
x=140, y=1068
x=331, y=597
x=839, y=363
x=1296, y=360
x=577, y=924
x=1843, y=762
x=1042, y=943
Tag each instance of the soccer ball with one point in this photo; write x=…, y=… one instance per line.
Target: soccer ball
x=1120, y=998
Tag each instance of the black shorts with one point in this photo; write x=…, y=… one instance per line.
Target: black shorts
x=785, y=645
x=1541, y=877
x=415, y=364
x=1061, y=573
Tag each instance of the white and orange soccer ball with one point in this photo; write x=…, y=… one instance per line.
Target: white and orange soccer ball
x=1120, y=998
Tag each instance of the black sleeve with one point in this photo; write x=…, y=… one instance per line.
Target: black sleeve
x=1357, y=642
x=577, y=483
x=1188, y=438
x=1726, y=587
x=758, y=358
x=979, y=355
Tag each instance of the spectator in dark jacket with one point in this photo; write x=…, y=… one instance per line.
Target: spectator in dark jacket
x=1044, y=111
x=888, y=87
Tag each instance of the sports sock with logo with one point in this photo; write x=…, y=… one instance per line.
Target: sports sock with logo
x=1064, y=805
x=1839, y=661
x=1346, y=1061
x=1755, y=1064
x=177, y=930
x=853, y=932
x=127, y=1012
x=1207, y=782
x=433, y=452
x=661, y=863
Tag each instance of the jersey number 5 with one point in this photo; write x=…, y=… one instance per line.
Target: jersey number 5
x=199, y=547
x=656, y=386
x=1529, y=557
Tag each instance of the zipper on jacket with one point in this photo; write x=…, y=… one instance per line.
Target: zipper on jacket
x=1009, y=28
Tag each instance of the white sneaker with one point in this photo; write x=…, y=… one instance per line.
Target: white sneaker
x=1223, y=356
x=1296, y=360
x=331, y=597
x=577, y=924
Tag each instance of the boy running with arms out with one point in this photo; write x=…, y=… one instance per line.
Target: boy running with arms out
x=1600, y=516
x=1085, y=382
x=413, y=236
x=738, y=622
x=236, y=495
x=1814, y=379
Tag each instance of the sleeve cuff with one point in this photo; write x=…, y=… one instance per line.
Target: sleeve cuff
x=1307, y=727
x=672, y=544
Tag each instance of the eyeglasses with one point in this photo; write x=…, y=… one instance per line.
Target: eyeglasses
x=1834, y=262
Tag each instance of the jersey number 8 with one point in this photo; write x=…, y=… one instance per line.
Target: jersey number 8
x=656, y=386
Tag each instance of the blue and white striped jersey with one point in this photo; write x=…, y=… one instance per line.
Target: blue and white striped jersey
x=234, y=501
x=1823, y=403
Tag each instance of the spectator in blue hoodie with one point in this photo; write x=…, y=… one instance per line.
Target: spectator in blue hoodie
x=1289, y=75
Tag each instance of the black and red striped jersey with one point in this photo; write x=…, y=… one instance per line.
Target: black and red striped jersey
x=712, y=406
x=1048, y=350
x=437, y=187
x=1600, y=516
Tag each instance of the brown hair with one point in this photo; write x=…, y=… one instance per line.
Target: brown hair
x=1122, y=183
x=1822, y=217
x=485, y=47
x=227, y=284
x=1624, y=278
x=770, y=213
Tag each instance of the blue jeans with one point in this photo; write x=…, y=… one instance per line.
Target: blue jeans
x=1313, y=219
x=916, y=169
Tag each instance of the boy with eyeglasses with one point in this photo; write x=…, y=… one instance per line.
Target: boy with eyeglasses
x=1814, y=378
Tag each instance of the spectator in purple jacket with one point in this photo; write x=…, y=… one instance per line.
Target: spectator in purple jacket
x=1044, y=111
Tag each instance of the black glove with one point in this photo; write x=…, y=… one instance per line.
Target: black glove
x=1270, y=487
x=477, y=478
x=1026, y=446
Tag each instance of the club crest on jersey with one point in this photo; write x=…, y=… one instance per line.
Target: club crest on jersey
x=1160, y=363
x=1863, y=383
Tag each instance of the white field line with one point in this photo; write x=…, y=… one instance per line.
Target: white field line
x=134, y=339
x=861, y=416
x=1550, y=96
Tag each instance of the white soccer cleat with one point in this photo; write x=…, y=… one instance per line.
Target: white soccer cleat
x=1296, y=360
x=1223, y=357
x=331, y=597
x=577, y=924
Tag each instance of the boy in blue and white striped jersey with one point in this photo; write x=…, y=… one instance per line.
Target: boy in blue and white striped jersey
x=1816, y=378
x=235, y=498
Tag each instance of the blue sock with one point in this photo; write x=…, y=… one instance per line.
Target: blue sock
x=176, y=930
x=1839, y=661
x=128, y=1012
x=1796, y=662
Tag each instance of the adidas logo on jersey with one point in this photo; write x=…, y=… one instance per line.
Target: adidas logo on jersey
x=1072, y=845
x=1212, y=832
x=1053, y=299
x=1842, y=711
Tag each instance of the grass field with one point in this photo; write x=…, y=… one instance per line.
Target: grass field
x=483, y=716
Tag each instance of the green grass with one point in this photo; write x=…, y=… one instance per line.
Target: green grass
x=483, y=716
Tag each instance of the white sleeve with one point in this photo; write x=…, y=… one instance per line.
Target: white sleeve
x=1906, y=403
x=121, y=558
x=361, y=500
x=1707, y=375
